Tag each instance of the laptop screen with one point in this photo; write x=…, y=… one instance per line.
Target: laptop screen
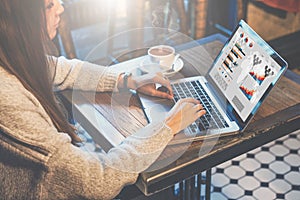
x=245, y=70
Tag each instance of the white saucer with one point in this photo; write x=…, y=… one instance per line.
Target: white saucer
x=177, y=67
x=148, y=67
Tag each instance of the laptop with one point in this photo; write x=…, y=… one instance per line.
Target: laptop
x=238, y=81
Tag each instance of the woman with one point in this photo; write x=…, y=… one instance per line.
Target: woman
x=38, y=155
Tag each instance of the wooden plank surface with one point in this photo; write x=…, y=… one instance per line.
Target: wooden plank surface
x=123, y=112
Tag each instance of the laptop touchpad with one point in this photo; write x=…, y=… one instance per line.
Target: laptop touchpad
x=155, y=108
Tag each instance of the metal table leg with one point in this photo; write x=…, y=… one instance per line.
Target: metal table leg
x=190, y=189
x=207, y=184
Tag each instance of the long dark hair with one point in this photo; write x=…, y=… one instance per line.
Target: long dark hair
x=23, y=34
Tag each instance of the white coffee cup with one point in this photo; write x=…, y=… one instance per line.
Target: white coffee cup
x=163, y=55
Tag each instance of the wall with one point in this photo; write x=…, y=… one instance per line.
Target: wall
x=272, y=23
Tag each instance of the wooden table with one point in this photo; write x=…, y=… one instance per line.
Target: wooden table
x=103, y=117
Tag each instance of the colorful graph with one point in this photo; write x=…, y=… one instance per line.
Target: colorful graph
x=259, y=74
x=248, y=92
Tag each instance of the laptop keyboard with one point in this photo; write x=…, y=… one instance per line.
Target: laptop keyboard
x=212, y=119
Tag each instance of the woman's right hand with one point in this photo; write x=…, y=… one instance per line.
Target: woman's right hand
x=183, y=113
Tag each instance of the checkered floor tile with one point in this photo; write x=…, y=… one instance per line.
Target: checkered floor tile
x=268, y=172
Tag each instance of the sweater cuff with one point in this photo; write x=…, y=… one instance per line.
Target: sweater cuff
x=111, y=81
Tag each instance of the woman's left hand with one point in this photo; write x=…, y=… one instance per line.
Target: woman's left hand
x=146, y=84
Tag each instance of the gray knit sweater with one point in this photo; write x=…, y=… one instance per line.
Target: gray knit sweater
x=38, y=162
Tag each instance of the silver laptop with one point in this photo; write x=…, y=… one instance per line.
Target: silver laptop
x=240, y=78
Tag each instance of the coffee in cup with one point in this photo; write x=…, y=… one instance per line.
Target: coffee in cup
x=162, y=55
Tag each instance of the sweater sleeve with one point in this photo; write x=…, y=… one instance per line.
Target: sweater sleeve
x=90, y=175
x=73, y=173
x=76, y=74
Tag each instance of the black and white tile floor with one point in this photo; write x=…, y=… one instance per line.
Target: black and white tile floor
x=268, y=172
